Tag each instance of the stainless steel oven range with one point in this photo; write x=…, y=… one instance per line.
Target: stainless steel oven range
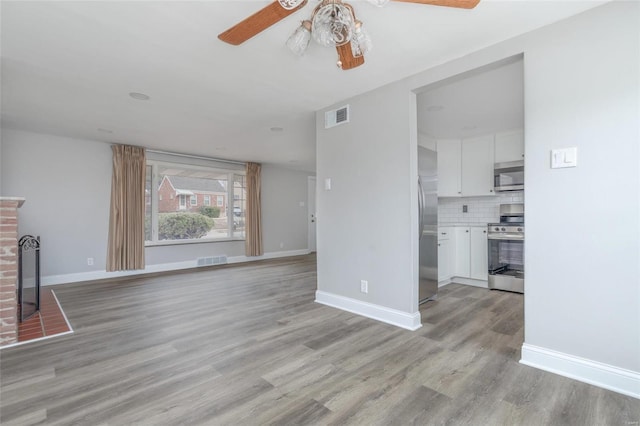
x=506, y=249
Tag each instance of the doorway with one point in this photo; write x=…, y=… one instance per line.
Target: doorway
x=472, y=120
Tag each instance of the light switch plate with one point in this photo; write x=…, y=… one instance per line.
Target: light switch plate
x=564, y=157
x=327, y=184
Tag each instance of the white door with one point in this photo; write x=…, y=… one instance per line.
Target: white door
x=311, y=209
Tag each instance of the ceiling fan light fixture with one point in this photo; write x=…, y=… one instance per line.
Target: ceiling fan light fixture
x=378, y=3
x=333, y=24
x=298, y=42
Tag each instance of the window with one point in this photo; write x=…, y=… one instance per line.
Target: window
x=168, y=218
x=239, y=205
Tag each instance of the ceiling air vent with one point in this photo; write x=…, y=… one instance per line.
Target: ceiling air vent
x=335, y=117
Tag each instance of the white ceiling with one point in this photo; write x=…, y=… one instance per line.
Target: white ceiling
x=67, y=69
x=479, y=103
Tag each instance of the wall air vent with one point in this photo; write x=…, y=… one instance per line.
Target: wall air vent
x=336, y=116
x=212, y=260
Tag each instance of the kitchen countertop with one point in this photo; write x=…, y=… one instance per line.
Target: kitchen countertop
x=457, y=225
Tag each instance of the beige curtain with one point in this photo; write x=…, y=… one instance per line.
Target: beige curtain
x=253, y=223
x=126, y=219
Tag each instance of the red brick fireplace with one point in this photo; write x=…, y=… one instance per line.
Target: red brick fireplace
x=9, y=268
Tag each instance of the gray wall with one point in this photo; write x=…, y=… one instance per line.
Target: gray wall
x=364, y=222
x=67, y=184
x=582, y=247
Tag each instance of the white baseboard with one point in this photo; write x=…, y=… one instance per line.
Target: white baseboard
x=444, y=282
x=270, y=255
x=369, y=310
x=161, y=267
x=595, y=373
x=471, y=281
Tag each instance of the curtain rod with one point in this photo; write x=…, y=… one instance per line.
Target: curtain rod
x=197, y=157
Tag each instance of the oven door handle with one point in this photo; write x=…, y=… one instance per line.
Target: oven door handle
x=506, y=237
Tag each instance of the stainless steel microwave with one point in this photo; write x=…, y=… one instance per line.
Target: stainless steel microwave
x=508, y=176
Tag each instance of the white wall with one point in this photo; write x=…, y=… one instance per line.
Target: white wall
x=67, y=184
x=582, y=297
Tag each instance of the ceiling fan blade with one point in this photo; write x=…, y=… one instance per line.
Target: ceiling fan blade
x=347, y=59
x=463, y=4
x=258, y=22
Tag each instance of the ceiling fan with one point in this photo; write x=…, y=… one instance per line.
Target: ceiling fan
x=333, y=23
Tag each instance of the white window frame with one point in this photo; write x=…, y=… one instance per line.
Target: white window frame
x=182, y=202
x=191, y=200
x=207, y=200
x=155, y=182
x=219, y=200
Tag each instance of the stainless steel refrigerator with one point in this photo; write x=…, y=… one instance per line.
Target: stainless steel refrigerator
x=428, y=223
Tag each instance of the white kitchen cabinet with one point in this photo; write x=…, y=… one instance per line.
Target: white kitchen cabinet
x=461, y=252
x=477, y=166
x=509, y=146
x=465, y=167
x=478, y=252
x=470, y=252
x=449, y=163
x=445, y=255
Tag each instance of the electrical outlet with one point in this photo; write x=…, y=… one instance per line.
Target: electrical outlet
x=364, y=286
x=90, y=261
x=465, y=208
x=281, y=245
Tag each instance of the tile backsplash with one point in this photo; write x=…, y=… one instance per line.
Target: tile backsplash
x=479, y=209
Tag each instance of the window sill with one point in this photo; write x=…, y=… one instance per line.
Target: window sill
x=183, y=242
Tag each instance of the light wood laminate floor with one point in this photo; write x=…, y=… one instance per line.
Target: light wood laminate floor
x=247, y=345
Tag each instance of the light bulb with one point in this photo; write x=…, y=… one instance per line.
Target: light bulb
x=361, y=43
x=333, y=25
x=378, y=3
x=298, y=42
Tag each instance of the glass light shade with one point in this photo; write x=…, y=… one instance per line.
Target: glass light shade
x=378, y=3
x=361, y=43
x=298, y=42
x=333, y=25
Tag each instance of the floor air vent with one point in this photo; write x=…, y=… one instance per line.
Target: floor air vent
x=336, y=116
x=212, y=260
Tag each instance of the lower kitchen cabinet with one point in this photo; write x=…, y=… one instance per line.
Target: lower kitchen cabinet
x=470, y=252
x=478, y=252
x=461, y=265
x=445, y=255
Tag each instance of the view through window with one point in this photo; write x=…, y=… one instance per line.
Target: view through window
x=179, y=203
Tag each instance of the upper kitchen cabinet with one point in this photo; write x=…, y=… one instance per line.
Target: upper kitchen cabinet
x=465, y=167
x=477, y=166
x=509, y=146
x=449, y=164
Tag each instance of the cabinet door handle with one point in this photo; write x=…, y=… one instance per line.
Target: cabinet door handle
x=466, y=230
